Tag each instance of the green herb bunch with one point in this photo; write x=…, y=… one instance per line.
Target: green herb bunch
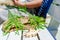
x=35, y=21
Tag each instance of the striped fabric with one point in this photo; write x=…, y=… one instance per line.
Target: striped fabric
x=44, y=8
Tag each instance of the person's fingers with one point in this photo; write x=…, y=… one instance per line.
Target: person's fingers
x=16, y=2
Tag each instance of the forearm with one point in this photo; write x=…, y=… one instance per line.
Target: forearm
x=34, y=4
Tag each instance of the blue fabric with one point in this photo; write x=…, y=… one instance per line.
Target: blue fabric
x=44, y=8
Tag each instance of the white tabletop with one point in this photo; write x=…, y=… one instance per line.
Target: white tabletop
x=44, y=35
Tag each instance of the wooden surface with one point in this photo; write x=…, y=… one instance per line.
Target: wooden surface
x=43, y=35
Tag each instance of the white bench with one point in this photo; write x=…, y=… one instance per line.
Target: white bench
x=54, y=25
x=43, y=35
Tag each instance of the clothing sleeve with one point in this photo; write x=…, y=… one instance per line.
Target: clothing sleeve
x=44, y=8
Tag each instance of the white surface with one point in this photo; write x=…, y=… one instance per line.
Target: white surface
x=33, y=38
x=54, y=25
x=3, y=14
x=44, y=35
x=54, y=11
x=57, y=1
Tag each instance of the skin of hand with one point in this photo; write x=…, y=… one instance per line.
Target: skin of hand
x=32, y=4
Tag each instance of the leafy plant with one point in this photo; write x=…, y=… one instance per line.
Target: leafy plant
x=38, y=22
x=35, y=21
